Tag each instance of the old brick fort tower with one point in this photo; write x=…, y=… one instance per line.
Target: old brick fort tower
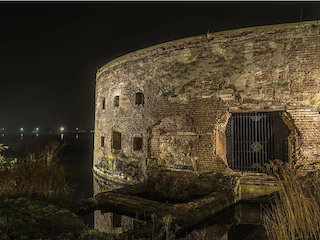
x=227, y=100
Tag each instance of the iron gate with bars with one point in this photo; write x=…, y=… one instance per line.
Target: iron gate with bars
x=255, y=138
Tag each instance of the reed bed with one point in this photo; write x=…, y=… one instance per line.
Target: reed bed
x=295, y=209
x=40, y=175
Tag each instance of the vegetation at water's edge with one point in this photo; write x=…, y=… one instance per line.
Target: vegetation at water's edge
x=295, y=212
x=9, y=156
x=40, y=175
x=34, y=195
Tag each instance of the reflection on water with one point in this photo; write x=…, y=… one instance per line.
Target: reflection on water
x=240, y=222
x=109, y=222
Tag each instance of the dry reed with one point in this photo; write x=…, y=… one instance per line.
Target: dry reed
x=40, y=175
x=166, y=231
x=295, y=210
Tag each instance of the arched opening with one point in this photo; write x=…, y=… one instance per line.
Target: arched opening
x=253, y=139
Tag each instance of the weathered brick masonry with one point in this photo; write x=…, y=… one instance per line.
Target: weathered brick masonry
x=191, y=87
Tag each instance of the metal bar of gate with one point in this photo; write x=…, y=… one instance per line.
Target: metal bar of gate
x=250, y=137
x=272, y=136
x=236, y=142
x=260, y=141
x=240, y=147
x=253, y=138
x=256, y=136
x=247, y=138
x=264, y=139
x=271, y=144
x=232, y=141
x=268, y=137
x=256, y=154
x=242, y=141
x=257, y=145
x=239, y=143
x=267, y=141
x=249, y=142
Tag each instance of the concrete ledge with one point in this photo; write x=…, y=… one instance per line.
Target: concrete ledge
x=111, y=178
x=256, y=185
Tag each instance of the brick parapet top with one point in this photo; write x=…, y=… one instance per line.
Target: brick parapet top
x=168, y=46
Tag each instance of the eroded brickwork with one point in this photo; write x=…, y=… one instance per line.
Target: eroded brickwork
x=307, y=147
x=190, y=87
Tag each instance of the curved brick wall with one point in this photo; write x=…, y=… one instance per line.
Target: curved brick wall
x=190, y=86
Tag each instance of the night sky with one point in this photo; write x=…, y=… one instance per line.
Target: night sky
x=50, y=52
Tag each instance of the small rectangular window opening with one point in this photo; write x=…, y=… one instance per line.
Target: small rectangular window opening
x=116, y=221
x=102, y=141
x=137, y=144
x=104, y=103
x=116, y=140
x=116, y=101
x=139, y=98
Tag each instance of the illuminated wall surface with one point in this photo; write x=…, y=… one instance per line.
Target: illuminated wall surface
x=170, y=104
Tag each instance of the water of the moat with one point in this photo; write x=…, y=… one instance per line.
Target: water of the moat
x=240, y=222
